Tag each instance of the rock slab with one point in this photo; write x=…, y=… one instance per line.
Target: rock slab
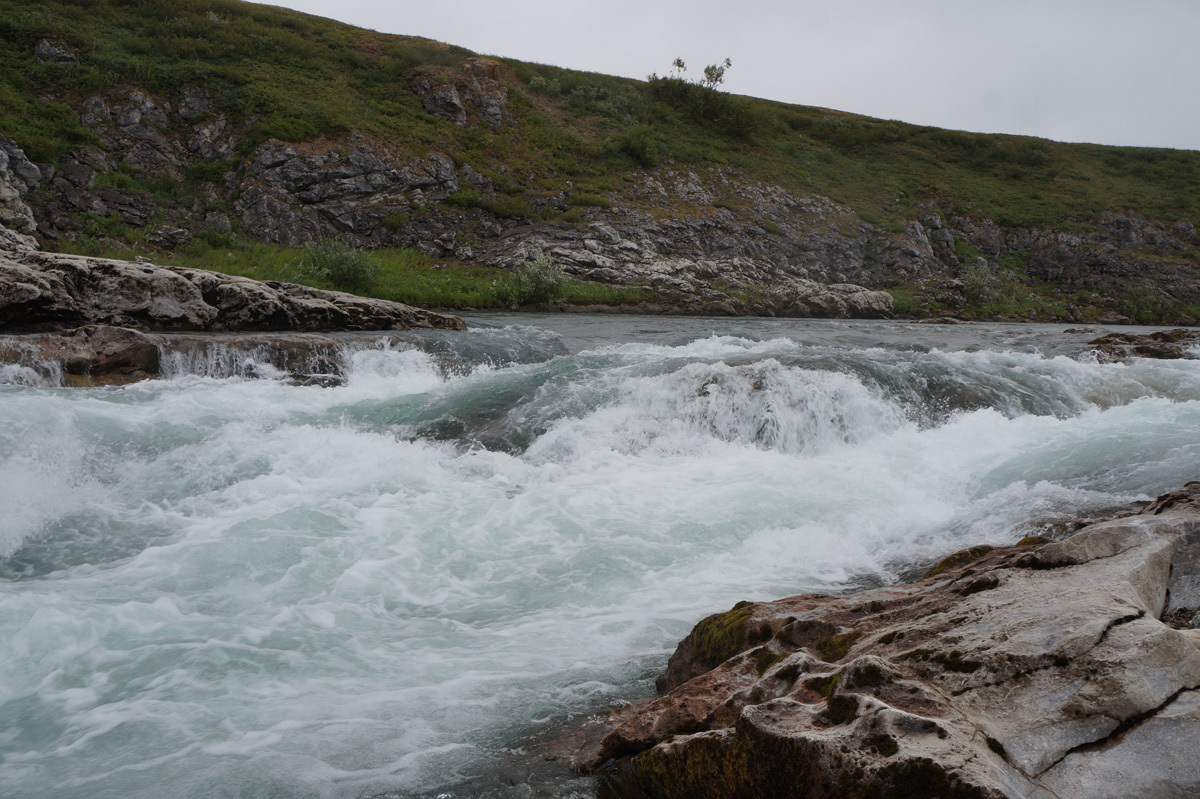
x=53, y=292
x=1039, y=671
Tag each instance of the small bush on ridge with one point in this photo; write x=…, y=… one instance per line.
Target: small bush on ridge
x=343, y=265
x=537, y=280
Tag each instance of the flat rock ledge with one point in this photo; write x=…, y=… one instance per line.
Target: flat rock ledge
x=50, y=292
x=1046, y=670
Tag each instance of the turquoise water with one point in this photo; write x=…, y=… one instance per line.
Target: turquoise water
x=245, y=588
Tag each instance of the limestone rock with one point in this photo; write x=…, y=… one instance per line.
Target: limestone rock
x=292, y=198
x=43, y=291
x=99, y=355
x=1033, y=671
x=196, y=101
x=442, y=100
x=485, y=93
x=17, y=178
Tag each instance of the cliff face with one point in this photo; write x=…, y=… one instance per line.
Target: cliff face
x=18, y=177
x=472, y=176
x=1048, y=669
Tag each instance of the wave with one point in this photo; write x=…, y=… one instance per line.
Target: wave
x=380, y=587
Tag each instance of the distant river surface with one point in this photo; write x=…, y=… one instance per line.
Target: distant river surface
x=220, y=587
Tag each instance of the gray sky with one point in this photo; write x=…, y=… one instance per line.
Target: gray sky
x=1108, y=71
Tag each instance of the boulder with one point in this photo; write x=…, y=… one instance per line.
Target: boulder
x=1037, y=671
x=49, y=53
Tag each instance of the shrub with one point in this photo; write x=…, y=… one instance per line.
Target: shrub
x=590, y=200
x=904, y=301
x=210, y=171
x=638, y=143
x=509, y=207
x=772, y=228
x=980, y=284
x=343, y=265
x=736, y=117
x=394, y=221
x=504, y=185
x=1146, y=305
x=538, y=279
x=464, y=199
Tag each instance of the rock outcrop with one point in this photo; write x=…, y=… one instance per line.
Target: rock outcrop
x=1040, y=671
x=1168, y=344
x=477, y=87
x=49, y=53
x=51, y=292
x=100, y=355
x=18, y=177
x=293, y=197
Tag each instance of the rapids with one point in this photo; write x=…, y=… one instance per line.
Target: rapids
x=219, y=586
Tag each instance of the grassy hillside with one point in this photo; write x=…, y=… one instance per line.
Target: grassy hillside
x=276, y=73
x=304, y=77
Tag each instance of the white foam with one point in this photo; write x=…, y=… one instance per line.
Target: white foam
x=272, y=589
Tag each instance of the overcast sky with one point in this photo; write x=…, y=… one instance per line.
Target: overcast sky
x=1109, y=71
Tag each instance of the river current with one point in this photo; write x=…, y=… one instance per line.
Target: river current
x=214, y=586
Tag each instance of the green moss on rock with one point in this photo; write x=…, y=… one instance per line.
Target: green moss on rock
x=719, y=637
x=823, y=685
x=957, y=559
x=835, y=647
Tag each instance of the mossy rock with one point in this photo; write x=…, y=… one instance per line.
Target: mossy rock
x=720, y=637
x=835, y=647
x=961, y=558
x=748, y=764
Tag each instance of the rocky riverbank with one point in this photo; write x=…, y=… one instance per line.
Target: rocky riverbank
x=1046, y=669
x=91, y=321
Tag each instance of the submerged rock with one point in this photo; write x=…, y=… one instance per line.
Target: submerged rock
x=46, y=292
x=1167, y=344
x=1033, y=671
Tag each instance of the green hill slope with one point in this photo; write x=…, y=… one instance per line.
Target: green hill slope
x=277, y=74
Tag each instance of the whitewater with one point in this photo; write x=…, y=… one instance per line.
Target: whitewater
x=219, y=586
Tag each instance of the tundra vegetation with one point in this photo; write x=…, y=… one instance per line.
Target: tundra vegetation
x=278, y=74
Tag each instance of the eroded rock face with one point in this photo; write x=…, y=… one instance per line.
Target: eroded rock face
x=485, y=93
x=18, y=177
x=100, y=355
x=92, y=355
x=708, y=265
x=44, y=291
x=1040, y=671
x=475, y=88
x=442, y=100
x=292, y=197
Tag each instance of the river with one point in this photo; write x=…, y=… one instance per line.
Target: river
x=222, y=587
